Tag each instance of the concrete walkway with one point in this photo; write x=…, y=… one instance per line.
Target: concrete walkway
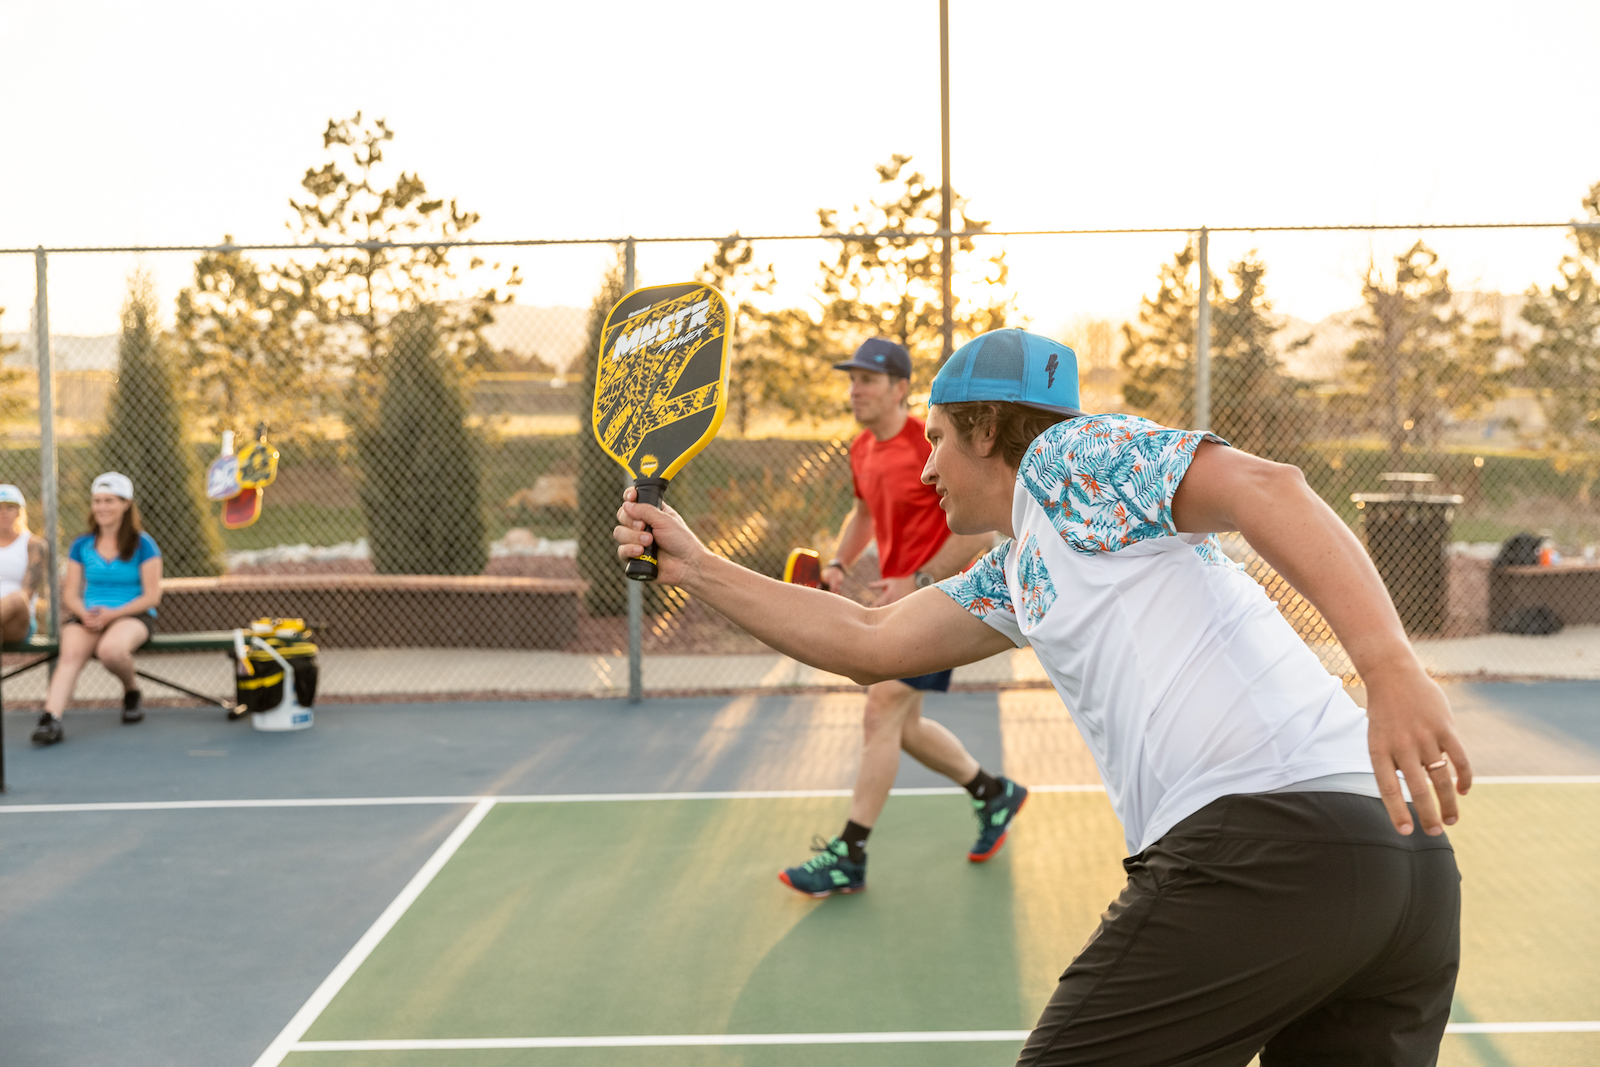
x=1572, y=653
x=372, y=672
x=489, y=673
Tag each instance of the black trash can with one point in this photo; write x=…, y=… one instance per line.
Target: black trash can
x=1406, y=536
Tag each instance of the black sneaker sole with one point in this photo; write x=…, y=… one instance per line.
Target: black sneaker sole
x=994, y=849
x=132, y=715
x=783, y=876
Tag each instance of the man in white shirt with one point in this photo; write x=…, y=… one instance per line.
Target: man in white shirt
x=1278, y=898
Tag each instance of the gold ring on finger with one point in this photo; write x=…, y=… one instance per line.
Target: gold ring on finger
x=1443, y=761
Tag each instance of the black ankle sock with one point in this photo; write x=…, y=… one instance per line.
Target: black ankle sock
x=130, y=699
x=854, y=836
x=985, y=786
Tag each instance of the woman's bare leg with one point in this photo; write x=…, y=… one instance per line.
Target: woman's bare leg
x=77, y=645
x=14, y=616
x=115, y=650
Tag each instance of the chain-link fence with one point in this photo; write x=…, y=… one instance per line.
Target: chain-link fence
x=442, y=515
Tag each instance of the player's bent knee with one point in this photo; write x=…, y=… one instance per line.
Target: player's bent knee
x=888, y=707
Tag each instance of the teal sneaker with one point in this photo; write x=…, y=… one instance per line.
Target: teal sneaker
x=994, y=819
x=830, y=871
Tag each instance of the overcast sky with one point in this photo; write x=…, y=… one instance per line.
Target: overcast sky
x=170, y=122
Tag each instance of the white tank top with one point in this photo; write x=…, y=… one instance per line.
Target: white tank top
x=14, y=564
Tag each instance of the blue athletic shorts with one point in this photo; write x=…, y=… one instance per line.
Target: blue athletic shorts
x=938, y=682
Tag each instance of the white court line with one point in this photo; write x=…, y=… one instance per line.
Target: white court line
x=1524, y=1028
x=901, y=1037
x=596, y=798
x=324, y=994
x=207, y=805
x=531, y=798
x=906, y=1037
x=1538, y=779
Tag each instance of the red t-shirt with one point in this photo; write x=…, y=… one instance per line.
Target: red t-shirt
x=906, y=518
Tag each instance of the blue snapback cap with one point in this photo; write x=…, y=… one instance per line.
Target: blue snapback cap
x=879, y=354
x=1012, y=366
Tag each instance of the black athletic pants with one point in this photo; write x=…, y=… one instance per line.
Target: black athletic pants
x=1297, y=925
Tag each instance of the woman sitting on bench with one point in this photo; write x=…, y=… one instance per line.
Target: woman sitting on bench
x=22, y=567
x=109, y=597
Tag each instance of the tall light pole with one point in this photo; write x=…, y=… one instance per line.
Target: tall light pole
x=1202, y=339
x=946, y=304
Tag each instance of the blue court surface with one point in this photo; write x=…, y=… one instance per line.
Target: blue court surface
x=592, y=883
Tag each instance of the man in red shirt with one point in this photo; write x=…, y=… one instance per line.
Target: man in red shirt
x=915, y=549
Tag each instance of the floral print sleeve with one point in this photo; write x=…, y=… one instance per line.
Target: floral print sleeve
x=981, y=590
x=1107, y=481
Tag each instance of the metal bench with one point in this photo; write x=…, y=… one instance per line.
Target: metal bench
x=47, y=649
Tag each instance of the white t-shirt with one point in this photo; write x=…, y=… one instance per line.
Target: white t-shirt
x=1183, y=678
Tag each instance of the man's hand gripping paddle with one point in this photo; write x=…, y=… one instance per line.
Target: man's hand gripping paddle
x=661, y=388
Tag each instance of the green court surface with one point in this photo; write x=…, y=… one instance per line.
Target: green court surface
x=644, y=918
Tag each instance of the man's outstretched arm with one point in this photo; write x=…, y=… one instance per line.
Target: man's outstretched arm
x=1409, y=722
x=920, y=634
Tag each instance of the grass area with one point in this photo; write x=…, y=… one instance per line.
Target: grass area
x=292, y=524
x=1483, y=529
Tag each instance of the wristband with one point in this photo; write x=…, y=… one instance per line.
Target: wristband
x=837, y=562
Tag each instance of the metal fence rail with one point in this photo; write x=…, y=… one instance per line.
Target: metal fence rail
x=439, y=491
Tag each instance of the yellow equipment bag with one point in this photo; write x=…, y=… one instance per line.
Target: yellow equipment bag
x=259, y=686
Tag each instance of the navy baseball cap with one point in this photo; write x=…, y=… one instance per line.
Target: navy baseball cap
x=882, y=355
x=1013, y=366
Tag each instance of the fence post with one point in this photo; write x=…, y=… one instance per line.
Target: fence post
x=635, y=589
x=947, y=323
x=1202, y=341
x=47, y=438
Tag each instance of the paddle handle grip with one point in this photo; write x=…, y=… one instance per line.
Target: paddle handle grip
x=643, y=568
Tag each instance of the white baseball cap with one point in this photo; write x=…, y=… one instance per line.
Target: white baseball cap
x=113, y=483
x=10, y=494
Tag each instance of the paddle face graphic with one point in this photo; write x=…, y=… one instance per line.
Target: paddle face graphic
x=661, y=387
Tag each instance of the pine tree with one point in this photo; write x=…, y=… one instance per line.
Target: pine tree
x=1564, y=360
x=1254, y=404
x=1420, y=358
x=600, y=479
x=878, y=287
x=1158, y=354
x=357, y=293
x=420, y=473
x=734, y=271
x=890, y=286
x=13, y=397
x=252, y=349
x=145, y=440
